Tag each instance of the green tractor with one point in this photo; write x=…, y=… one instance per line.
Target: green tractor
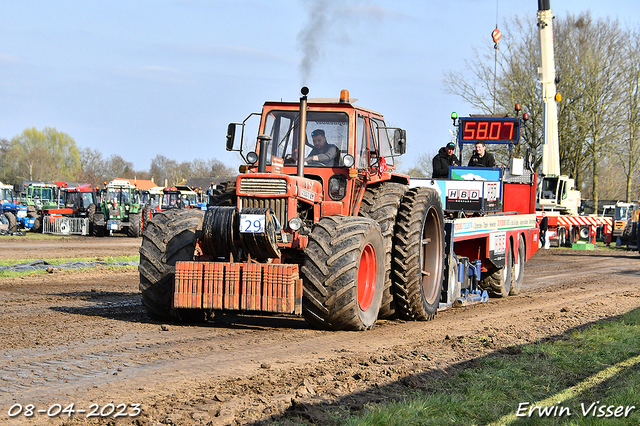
x=119, y=211
x=37, y=196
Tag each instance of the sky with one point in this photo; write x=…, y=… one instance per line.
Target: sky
x=147, y=77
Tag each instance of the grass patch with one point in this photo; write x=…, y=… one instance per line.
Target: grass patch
x=29, y=235
x=581, y=368
x=58, y=261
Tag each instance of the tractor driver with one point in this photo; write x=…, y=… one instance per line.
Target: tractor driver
x=322, y=152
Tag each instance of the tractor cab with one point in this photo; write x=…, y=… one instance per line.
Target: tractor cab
x=314, y=159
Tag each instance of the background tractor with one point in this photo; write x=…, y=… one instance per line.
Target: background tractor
x=75, y=214
x=38, y=195
x=16, y=214
x=119, y=210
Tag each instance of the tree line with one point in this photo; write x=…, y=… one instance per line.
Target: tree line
x=51, y=155
x=598, y=75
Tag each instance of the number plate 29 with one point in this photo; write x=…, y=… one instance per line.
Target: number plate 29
x=252, y=223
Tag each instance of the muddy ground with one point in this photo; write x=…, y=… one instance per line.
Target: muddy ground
x=83, y=338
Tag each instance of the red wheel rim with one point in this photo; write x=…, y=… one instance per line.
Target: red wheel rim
x=367, y=273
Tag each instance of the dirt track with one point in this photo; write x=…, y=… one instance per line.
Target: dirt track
x=83, y=338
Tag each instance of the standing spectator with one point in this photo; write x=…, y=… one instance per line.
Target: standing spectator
x=544, y=225
x=482, y=158
x=446, y=157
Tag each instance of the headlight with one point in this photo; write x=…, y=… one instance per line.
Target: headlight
x=337, y=187
x=348, y=160
x=295, y=223
x=252, y=157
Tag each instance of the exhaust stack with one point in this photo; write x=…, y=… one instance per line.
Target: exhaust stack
x=302, y=137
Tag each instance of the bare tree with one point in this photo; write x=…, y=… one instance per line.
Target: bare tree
x=629, y=150
x=589, y=64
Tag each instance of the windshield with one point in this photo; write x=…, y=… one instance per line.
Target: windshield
x=118, y=195
x=40, y=192
x=170, y=200
x=549, y=186
x=190, y=198
x=328, y=131
x=622, y=213
x=6, y=195
x=144, y=198
x=608, y=211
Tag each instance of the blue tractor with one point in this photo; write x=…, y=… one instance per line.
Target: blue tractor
x=15, y=213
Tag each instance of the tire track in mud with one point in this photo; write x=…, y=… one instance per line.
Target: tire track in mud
x=164, y=365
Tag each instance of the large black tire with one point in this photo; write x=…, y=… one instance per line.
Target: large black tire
x=170, y=236
x=146, y=216
x=98, y=224
x=343, y=274
x=135, y=225
x=37, y=224
x=381, y=204
x=91, y=211
x=518, y=268
x=499, y=282
x=225, y=195
x=418, y=255
x=13, y=222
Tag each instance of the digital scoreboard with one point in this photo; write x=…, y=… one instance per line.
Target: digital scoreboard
x=489, y=129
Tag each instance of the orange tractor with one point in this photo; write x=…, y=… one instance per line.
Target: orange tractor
x=318, y=223
x=299, y=233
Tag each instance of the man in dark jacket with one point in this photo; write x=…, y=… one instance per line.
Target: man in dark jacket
x=446, y=157
x=481, y=158
x=544, y=226
x=323, y=153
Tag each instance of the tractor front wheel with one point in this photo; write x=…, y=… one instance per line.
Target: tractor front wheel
x=98, y=224
x=169, y=237
x=146, y=216
x=91, y=211
x=135, y=225
x=343, y=273
x=37, y=224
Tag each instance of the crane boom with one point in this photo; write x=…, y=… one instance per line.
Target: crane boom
x=547, y=76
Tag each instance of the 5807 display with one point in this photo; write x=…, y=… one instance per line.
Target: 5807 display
x=494, y=129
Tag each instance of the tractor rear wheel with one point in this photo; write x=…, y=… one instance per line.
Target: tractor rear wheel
x=518, y=268
x=135, y=225
x=381, y=204
x=169, y=237
x=225, y=195
x=498, y=283
x=418, y=256
x=98, y=224
x=13, y=222
x=343, y=273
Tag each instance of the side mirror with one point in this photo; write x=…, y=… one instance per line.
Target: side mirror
x=231, y=136
x=400, y=141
